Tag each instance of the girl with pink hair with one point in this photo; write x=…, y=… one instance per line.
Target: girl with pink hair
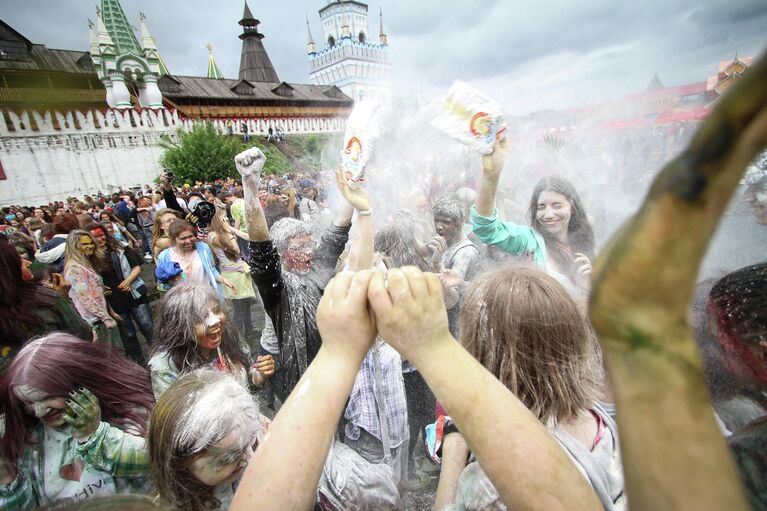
x=76, y=418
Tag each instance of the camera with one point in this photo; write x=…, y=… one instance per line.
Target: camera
x=204, y=212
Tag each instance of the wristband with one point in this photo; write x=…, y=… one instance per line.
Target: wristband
x=367, y=212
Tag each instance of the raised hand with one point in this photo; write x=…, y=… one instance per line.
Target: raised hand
x=492, y=164
x=355, y=195
x=345, y=324
x=410, y=310
x=84, y=414
x=249, y=163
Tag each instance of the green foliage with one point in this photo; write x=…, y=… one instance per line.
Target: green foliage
x=204, y=154
x=276, y=162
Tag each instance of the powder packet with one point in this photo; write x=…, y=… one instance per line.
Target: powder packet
x=470, y=117
x=361, y=130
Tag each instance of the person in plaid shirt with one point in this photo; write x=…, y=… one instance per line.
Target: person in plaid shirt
x=75, y=420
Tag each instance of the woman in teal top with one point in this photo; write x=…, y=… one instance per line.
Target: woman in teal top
x=560, y=238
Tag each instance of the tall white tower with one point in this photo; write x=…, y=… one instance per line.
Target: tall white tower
x=350, y=59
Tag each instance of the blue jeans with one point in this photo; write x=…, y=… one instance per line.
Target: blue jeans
x=142, y=315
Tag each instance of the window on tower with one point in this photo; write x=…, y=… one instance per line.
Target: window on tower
x=362, y=37
x=331, y=41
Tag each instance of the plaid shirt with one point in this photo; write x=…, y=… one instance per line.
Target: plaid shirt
x=109, y=449
x=362, y=410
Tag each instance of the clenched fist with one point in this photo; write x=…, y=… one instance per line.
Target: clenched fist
x=249, y=163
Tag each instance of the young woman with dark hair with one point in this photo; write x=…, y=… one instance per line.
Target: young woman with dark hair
x=127, y=297
x=75, y=414
x=30, y=309
x=560, y=238
x=192, y=331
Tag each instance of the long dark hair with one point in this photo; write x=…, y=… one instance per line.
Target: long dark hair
x=183, y=307
x=18, y=299
x=59, y=363
x=579, y=231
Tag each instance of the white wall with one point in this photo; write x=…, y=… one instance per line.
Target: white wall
x=95, y=151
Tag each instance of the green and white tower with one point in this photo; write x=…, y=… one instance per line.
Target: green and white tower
x=121, y=63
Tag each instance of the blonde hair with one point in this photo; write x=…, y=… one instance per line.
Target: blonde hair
x=524, y=328
x=157, y=231
x=73, y=254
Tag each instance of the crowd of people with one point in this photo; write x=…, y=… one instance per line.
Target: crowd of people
x=391, y=349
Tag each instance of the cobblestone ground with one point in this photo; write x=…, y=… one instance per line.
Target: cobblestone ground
x=420, y=499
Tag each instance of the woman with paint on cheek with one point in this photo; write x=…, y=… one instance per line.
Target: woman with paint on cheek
x=192, y=331
x=560, y=238
x=203, y=432
x=75, y=416
x=82, y=263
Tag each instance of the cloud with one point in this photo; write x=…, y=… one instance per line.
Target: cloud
x=528, y=54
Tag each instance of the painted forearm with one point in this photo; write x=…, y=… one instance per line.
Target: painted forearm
x=302, y=430
x=112, y=450
x=484, y=411
x=642, y=286
x=361, y=253
x=258, y=229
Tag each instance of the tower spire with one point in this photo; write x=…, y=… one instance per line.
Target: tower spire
x=118, y=27
x=150, y=46
x=310, y=46
x=255, y=65
x=213, y=69
x=104, y=40
x=382, y=39
x=93, y=38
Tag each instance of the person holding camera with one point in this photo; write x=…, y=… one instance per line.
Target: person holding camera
x=195, y=257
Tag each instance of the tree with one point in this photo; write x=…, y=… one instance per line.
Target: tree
x=202, y=154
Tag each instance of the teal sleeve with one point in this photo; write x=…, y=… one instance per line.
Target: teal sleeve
x=509, y=237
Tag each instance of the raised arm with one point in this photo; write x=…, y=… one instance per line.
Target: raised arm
x=492, y=165
x=411, y=316
x=249, y=164
x=361, y=253
x=303, y=429
x=674, y=455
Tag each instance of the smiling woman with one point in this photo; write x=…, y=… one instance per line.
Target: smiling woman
x=193, y=331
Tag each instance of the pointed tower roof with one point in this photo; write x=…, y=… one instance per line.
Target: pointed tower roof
x=118, y=27
x=310, y=46
x=255, y=65
x=150, y=46
x=104, y=40
x=655, y=83
x=93, y=38
x=213, y=70
x=382, y=38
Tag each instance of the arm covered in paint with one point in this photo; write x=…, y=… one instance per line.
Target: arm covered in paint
x=411, y=316
x=116, y=452
x=304, y=427
x=249, y=164
x=643, y=283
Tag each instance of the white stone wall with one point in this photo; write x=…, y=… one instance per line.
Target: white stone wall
x=82, y=153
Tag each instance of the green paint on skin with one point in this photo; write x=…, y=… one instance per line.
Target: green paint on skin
x=638, y=340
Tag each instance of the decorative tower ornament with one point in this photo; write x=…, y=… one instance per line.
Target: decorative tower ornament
x=255, y=65
x=345, y=30
x=311, y=48
x=382, y=39
x=213, y=70
x=121, y=63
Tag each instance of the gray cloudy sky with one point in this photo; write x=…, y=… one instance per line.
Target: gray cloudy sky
x=528, y=54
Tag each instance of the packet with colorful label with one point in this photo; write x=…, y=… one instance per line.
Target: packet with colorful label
x=361, y=130
x=470, y=117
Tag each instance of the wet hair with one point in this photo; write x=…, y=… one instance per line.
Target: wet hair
x=397, y=242
x=184, y=306
x=197, y=411
x=524, y=328
x=450, y=207
x=286, y=229
x=737, y=309
x=178, y=226
x=579, y=230
x=59, y=363
x=65, y=223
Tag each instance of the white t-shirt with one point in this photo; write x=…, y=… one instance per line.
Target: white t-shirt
x=67, y=478
x=191, y=265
